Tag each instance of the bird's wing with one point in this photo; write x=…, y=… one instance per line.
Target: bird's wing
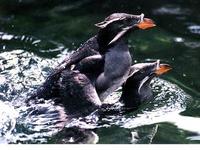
x=89, y=48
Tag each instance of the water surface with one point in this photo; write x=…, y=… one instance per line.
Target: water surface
x=35, y=36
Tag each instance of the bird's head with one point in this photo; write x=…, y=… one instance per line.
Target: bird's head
x=143, y=73
x=137, y=89
x=118, y=24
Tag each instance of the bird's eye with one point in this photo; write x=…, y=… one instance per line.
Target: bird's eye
x=127, y=21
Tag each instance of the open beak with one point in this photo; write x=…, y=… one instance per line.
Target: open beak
x=162, y=68
x=145, y=23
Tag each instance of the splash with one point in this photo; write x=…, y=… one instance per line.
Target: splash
x=169, y=101
x=23, y=72
x=8, y=117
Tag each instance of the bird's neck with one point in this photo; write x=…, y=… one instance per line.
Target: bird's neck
x=105, y=36
x=132, y=97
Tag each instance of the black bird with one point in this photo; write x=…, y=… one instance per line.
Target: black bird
x=80, y=97
x=111, y=44
x=77, y=93
x=111, y=29
x=136, y=89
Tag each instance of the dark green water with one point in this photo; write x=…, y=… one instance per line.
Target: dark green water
x=35, y=36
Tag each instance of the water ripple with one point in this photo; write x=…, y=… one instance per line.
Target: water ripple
x=22, y=72
x=8, y=117
x=10, y=41
x=171, y=10
x=194, y=29
x=169, y=100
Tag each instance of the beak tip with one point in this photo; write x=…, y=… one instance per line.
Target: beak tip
x=164, y=68
x=146, y=23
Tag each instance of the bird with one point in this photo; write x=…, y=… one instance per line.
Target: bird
x=113, y=46
x=111, y=29
x=136, y=90
x=109, y=48
x=81, y=98
x=77, y=93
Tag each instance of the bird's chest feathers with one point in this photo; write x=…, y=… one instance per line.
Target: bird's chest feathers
x=117, y=61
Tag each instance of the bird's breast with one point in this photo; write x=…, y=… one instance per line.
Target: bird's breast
x=117, y=63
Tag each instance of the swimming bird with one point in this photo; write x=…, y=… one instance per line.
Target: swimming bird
x=114, y=27
x=77, y=93
x=110, y=44
x=81, y=98
x=113, y=46
x=136, y=90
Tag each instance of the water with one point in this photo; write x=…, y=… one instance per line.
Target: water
x=35, y=36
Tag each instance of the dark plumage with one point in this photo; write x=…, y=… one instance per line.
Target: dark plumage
x=111, y=29
x=77, y=93
x=91, y=66
x=102, y=64
x=137, y=89
x=112, y=41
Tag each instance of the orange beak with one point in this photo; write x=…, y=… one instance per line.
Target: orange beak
x=146, y=23
x=163, y=68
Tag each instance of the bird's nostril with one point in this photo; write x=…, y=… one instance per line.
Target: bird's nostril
x=158, y=64
x=142, y=17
